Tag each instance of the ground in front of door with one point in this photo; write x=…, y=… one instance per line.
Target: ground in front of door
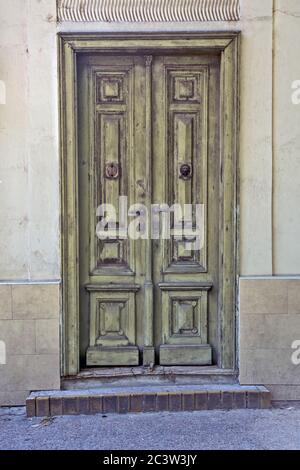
x=277, y=428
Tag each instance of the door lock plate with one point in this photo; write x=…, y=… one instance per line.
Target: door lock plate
x=112, y=170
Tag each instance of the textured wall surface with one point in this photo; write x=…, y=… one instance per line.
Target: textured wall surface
x=286, y=228
x=29, y=327
x=29, y=194
x=29, y=163
x=269, y=325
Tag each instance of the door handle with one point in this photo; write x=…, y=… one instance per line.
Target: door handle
x=112, y=170
x=185, y=171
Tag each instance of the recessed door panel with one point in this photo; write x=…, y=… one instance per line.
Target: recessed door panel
x=111, y=95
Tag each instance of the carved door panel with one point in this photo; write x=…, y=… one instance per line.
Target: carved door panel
x=148, y=131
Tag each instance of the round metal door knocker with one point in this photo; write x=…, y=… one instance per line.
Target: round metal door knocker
x=111, y=170
x=185, y=171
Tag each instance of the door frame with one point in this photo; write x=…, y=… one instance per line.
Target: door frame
x=70, y=46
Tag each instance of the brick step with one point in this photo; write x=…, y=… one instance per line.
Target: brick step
x=146, y=399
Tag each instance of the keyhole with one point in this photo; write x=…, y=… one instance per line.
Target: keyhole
x=112, y=170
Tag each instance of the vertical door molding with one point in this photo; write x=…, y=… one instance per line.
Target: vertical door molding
x=70, y=45
x=148, y=352
x=228, y=226
x=69, y=210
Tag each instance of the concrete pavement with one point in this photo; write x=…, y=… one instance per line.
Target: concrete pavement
x=238, y=429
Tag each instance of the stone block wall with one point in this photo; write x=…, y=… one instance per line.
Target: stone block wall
x=29, y=328
x=269, y=314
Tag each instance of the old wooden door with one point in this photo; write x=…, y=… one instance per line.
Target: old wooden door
x=148, y=128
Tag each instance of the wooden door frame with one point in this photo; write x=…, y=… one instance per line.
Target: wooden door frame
x=70, y=46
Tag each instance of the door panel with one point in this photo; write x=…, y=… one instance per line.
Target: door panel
x=111, y=160
x=186, y=129
x=112, y=94
x=186, y=162
x=112, y=326
x=149, y=130
x=184, y=325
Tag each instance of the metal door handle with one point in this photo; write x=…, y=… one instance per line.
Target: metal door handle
x=112, y=170
x=185, y=171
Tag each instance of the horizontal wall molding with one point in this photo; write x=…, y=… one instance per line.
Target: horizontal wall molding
x=29, y=283
x=148, y=10
x=292, y=277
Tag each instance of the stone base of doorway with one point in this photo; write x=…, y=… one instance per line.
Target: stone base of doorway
x=147, y=399
x=149, y=376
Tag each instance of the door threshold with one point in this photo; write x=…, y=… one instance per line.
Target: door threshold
x=158, y=375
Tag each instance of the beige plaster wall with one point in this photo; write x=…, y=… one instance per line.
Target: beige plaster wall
x=29, y=163
x=286, y=138
x=269, y=308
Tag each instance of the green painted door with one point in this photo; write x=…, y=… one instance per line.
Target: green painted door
x=148, y=142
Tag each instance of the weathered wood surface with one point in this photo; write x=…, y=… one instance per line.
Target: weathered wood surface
x=213, y=179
